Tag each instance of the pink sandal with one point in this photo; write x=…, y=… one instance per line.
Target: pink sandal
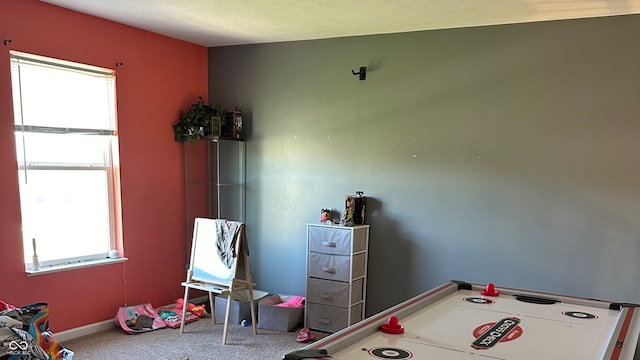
x=305, y=336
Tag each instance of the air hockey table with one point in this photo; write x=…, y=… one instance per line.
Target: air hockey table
x=462, y=321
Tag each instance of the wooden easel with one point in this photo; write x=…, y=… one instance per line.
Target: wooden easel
x=208, y=272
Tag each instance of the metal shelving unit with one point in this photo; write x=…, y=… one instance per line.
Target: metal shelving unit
x=227, y=174
x=214, y=180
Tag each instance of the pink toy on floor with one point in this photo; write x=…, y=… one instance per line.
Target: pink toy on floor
x=294, y=301
x=196, y=310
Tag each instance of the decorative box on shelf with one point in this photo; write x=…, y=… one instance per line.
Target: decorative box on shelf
x=232, y=125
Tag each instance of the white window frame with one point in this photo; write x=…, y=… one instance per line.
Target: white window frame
x=108, y=164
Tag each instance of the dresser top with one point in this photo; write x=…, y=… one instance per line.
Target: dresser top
x=340, y=226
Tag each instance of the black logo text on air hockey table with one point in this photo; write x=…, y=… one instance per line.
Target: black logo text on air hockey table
x=490, y=334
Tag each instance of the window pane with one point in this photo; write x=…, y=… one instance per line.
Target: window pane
x=66, y=211
x=67, y=149
x=63, y=98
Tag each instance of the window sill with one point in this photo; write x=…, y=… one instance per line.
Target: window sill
x=74, y=266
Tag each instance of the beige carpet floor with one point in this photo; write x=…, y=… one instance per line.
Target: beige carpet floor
x=202, y=340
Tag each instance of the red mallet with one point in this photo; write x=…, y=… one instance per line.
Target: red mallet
x=490, y=290
x=392, y=326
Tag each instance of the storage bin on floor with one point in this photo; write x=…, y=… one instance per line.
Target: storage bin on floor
x=279, y=318
x=240, y=306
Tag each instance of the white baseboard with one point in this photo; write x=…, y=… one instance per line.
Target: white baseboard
x=85, y=330
x=67, y=335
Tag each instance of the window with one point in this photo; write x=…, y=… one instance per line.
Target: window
x=67, y=152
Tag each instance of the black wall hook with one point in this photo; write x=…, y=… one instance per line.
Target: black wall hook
x=6, y=41
x=362, y=73
x=119, y=63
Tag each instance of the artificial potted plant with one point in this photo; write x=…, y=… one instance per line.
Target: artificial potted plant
x=202, y=120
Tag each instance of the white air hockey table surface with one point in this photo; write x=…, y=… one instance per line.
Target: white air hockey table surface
x=458, y=321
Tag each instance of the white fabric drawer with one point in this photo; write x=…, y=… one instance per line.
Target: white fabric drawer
x=334, y=293
x=331, y=319
x=332, y=267
x=336, y=267
x=330, y=240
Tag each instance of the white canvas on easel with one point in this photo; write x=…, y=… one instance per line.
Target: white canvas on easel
x=208, y=271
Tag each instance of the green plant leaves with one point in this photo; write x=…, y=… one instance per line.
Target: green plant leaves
x=197, y=123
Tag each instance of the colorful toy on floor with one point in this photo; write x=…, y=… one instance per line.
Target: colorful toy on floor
x=172, y=317
x=138, y=319
x=198, y=310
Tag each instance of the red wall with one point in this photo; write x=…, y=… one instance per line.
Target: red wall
x=160, y=76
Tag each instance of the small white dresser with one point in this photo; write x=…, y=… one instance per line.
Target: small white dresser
x=336, y=276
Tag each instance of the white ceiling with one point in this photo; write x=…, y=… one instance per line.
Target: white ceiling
x=235, y=22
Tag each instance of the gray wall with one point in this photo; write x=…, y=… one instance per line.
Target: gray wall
x=505, y=154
